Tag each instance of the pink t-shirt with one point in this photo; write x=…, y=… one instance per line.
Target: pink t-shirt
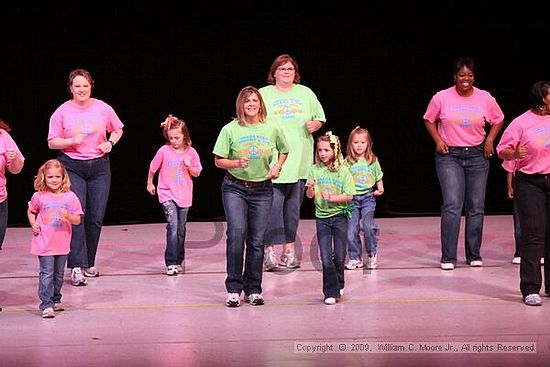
x=93, y=120
x=462, y=119
x=55, y=234
x=174, y=181
x=533, y=131
x=6, y=143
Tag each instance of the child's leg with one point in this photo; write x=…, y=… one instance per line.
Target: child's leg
x=353, y=237
x=59, y=267
x=46, y=281
x=171, y=214
x=339, y=237
x=182, y=223
x=370, y=228
x=324, y=238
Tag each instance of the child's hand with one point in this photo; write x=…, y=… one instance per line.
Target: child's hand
x=35, y=229
x=243, y=162
x=378, y=192
x=64, y=214
x=78, y=139
x=326, y=195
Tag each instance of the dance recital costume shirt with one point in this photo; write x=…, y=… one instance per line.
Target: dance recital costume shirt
x=365, y=175
x=174, y=181
x=462, y=119
x=335, y=182
x=92, y=120
x=55, y=234
x=532, y=131
x=6, y=143
x=259, y=142
x=291, y=110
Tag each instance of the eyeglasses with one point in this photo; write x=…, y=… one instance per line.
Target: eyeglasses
x=285, y=69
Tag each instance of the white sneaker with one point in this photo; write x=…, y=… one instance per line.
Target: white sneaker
x=270, y=261
x=179, y=268
x=533, y=300
x=48, y=313
x=516, y=260
x=91, y=272
x=476, y=263
x=290, y=260
x=354, y=264
x=171, y=270
x=447, y=266
x=77, y=278
x=372, y=262
x=330, y=301
x=232, y=300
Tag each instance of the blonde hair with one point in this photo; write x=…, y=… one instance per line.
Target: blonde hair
x=40, y=179
x=337, y=159
x=351, y=156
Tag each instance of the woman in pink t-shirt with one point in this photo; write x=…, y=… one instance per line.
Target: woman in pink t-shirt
x=527, y=142
x=53, y=210
x=11, y=160
x=78, y=129
x=456, y=118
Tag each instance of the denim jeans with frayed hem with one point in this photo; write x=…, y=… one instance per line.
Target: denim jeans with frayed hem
x=176, y=221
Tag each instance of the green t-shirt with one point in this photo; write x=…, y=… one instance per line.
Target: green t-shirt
x=259, y=142
x=335, y=182
x=365, y=175
x=290, y=110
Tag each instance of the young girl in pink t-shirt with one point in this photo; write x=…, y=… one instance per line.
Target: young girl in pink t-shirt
x=177, y=162
x=53, y=210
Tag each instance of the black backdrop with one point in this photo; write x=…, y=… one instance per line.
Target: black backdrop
x=377, y=68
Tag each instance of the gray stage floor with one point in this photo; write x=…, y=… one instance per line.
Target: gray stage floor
x=408, y=312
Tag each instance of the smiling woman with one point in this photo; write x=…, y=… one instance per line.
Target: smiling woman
x=456, y=118
x=78, y=129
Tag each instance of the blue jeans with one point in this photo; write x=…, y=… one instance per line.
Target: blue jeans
x=463, y=179
x=331, y=237
x=532, y=195
x=285, y=213
x=362, y=217
x=3, y=221
x=246, y=212
x=50, y=279
x=90, y=181
x=176, y=219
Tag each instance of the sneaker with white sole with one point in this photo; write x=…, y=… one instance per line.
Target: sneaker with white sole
x=171, y=270
x=289, y=260
x=516, y=260
x=270, y=261
x=330, y=301
x=91, y=272
x=372, y=262
x=180, y=268
x=255, y=299
x=354, y=264
x=533, y=300
x=447, y=266
x=77, y=278
x=232, y=300
x=48, y=313
x=58, y=307
x=476, y=263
